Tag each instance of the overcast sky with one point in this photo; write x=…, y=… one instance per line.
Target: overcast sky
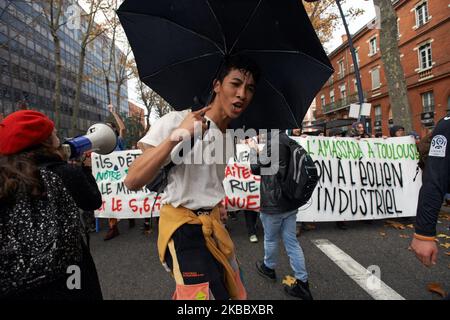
x=353, y=24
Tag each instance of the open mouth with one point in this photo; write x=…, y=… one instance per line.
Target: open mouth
x=237, y=106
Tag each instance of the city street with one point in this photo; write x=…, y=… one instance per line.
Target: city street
x=129, y=267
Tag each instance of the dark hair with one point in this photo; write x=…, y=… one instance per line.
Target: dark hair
x=423, y=148
x=335, y=132
x=20, y=172
x=239, y=62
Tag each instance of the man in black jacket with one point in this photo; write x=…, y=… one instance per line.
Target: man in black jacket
x=436, y=183
x=278, y=214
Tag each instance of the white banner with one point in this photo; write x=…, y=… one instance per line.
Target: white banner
x=241, y=186
x=118, y=202
x=362, y=179
x=359, y=180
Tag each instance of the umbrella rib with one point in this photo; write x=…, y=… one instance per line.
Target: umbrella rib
x=178, y=25
x=180, y=62
x=292, y=52
x=218, y=23
x=246, y=25
x=284, y=99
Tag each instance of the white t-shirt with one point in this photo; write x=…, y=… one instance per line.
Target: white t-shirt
x=192, y=186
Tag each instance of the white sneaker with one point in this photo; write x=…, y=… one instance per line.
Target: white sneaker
x=253, y=238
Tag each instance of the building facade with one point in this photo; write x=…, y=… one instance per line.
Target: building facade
x=308, y=120
x=423, y=38
x=27, y=66
x=136, y=112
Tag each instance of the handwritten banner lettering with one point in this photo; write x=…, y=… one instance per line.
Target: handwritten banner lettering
x=359, y=180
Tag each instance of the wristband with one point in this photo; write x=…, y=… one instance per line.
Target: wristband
x=424, y=238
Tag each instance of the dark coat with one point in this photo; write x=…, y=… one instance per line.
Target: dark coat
x=436, y=180
x=272, y=198
x=81, y=185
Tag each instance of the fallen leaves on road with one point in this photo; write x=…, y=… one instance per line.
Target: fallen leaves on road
x=447, y=253
x=404, y=236
x=309, y=227
x=410, y=226
x=444, y=216
x=441, y=235
x=395, y=224
x=436, y=288
x=445, y=245
x=383, y=234
x=288, y=280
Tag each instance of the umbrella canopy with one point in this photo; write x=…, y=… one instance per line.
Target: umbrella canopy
x=179, y=46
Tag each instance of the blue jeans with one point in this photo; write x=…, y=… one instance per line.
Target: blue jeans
x=284, y=224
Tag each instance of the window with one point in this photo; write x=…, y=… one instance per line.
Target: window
x=428, y=101
x=377, y=110
x=421, y=14
x=332, y=96
x=375, y=73
x=322, y=100
x=341, y=69
x=343, y=92
x=372, y=46
x=425, y=59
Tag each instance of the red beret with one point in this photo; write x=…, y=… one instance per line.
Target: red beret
x=23, y=129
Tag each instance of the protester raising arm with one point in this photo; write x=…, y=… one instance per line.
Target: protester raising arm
x=145, y=167
x=122, y=129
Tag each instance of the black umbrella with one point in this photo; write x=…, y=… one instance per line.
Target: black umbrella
x=179, y=46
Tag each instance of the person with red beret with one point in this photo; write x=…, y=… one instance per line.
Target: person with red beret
x=40, y=197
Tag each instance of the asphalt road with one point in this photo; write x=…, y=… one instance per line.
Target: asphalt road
x=129, y=268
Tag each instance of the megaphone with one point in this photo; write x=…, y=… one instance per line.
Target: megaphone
x=99, y=138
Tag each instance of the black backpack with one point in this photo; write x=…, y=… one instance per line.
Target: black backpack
x=300, y=179
x=39, y=238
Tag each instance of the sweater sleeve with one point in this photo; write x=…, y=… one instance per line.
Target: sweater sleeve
x=436, y=180
x=80, y=184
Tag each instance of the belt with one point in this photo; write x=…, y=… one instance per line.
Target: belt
x=202, y=211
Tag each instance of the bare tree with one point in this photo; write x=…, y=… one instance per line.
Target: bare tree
x=90, y=30
x=52, y=13
x=55, y=16
x=112, y=26
x=151, y=101
x=390, y=55
x=123, y=70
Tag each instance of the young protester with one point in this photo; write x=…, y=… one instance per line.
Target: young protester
x=192, y=241
x=113, y=230
x=278, y=215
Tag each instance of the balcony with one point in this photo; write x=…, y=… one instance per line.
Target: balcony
x=425, y=74
x=342, y=103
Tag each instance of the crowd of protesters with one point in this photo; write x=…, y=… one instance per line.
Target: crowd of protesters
x=43, y=193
